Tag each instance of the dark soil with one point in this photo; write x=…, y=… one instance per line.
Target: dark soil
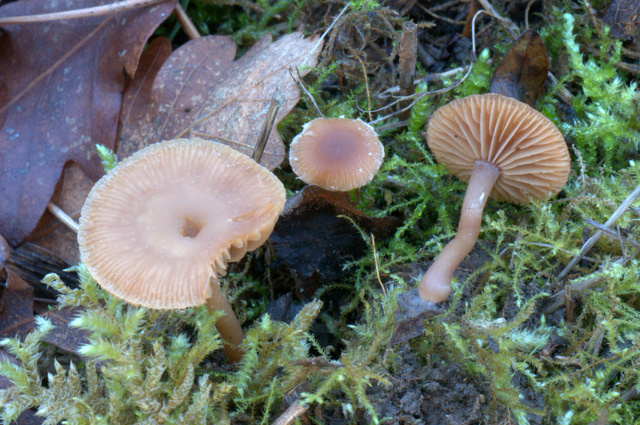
x=437, y=392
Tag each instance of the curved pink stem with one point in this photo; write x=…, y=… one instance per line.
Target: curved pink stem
x=435, y=284
x=227, y=325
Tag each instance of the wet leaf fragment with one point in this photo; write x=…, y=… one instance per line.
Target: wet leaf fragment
x=16, y=308
x=315, y=236
x=623, y=17
x=63, y=336
x=523, y=70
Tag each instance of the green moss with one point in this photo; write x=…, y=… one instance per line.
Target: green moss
x=605, y=125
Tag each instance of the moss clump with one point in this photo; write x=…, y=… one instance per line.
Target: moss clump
x=604, y=124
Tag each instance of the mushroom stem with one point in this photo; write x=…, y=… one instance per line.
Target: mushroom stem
x=435, y=284
x=227, y=325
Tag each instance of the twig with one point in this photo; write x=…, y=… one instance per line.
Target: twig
x=500, y=19
x=624, y=66
x=419, y=96
x=546, y=245
x=366, y=85
x=301, y=86
x=558, y=299
x=442, y=18
x=506, y=22
x=375, y=261
x=611, y=233
x=187, y=25
x=446, y=5
x=407, y=60
x=569, y=304
x=324, y=34
x=564, y=94
x=49, y=230
x=431, y=77
x=62, y=216
x=289, y=416
x=274, y=106
x=593, y=16
x=526, y=14
x=593, y=239
x=106, y=9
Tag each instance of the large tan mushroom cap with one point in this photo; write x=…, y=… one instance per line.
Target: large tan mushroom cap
x=337, y=154
x=159, y=225
x=527, y=147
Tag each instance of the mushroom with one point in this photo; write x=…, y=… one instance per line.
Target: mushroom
x=337, y=154
x=504, y=149
x=159, y=228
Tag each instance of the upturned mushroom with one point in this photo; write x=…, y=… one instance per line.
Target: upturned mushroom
x=159, y=229
x=337, y=154
x=504, y=149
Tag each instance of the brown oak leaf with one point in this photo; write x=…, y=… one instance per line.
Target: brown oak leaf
x=200, y=91
x=61, y=88
x=523, y=70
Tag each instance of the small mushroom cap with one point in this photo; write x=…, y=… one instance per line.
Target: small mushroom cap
x=155, y=229
x=527, y=147
x=337, y=154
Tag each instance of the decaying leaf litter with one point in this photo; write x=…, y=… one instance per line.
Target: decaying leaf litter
x=510, y=339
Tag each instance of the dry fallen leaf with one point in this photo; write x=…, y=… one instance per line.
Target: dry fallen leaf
x=16, y=308
x=62, y=84
x=200, y=91
x=523, y=70
x=623, y=16
x=63, y=336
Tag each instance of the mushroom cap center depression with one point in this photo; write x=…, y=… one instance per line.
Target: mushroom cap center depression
x=177, y=220
x=339, y=148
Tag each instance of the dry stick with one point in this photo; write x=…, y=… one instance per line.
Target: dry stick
x=366, y=85
x=526, y=14
x=610, y=232
x=624, y=66
x=407, y=62
x=324, y=34
x=593, y=16
x=274, y=107
x=187, y=25
x=431, y=77
x=593, y=239
x=507, y=23
x=375, y=261
x=301, y=86
x=289, y=416
x=440, y=17
x=418, y=96
x=107, y=9
x=62, y=216
x=576, y=286
x=49, y=230
x=473, y=30
x=407, y=58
